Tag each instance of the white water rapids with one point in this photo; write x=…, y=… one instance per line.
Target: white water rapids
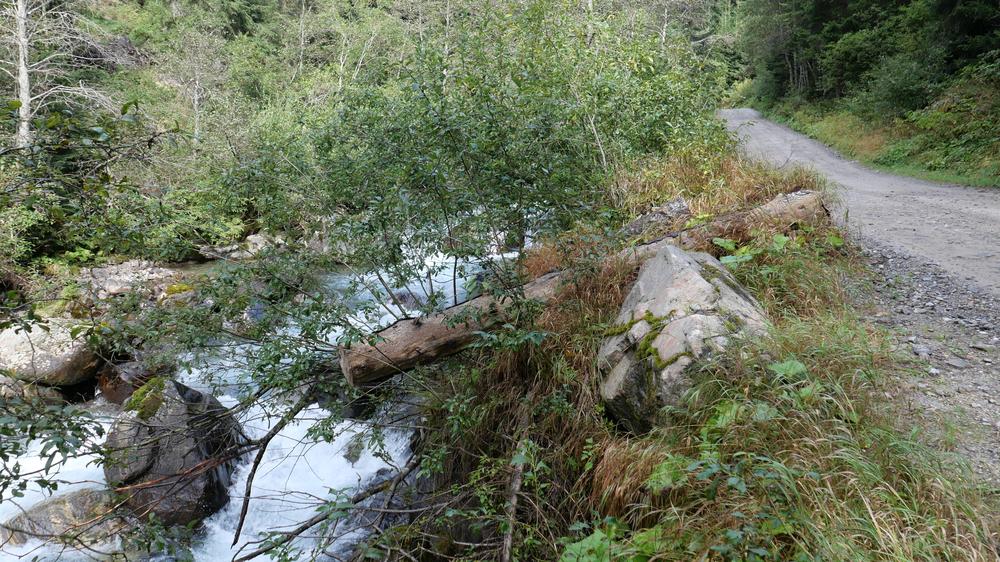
x=296, y=474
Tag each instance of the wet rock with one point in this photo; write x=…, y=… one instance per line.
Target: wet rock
x=47, y=354
x=682, y=308
x=248, y=248
x=13, y=389
x=82, y=517
x=166, y=452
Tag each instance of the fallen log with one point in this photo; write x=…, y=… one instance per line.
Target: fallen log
x=409, y=343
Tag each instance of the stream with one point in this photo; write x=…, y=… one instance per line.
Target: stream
x=296, y=474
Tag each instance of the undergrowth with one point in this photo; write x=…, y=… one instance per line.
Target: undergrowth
x=952, y=139
x=785, y=448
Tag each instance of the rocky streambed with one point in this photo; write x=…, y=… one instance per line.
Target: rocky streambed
x=172, y=447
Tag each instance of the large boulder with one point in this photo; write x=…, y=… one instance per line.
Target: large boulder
x=683, y=307
x=13, y=389
x=47, y=355
x=166, y=452
x=82, y=517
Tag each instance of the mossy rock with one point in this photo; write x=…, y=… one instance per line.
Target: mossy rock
x=147, y=399
x=178, y=288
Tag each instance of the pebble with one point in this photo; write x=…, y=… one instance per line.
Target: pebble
x=982, y=346
x=957, y=363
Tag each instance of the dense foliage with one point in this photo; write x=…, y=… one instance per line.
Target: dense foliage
x=916, y=81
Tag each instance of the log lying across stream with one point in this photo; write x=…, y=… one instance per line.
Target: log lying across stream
x=419, y=341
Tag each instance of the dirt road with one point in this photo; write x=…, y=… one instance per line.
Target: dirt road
x=935, y=253
x=957, y=228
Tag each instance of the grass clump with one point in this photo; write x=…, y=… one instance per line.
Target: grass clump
x=786, y=448
x=712, y=185
x=952, y=139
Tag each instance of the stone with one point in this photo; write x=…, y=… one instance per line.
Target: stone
x=13, y=389
x=119, y=279
x=683, y=308
x=248, y=248
x=920, y=350
x=118, y=381
x=166, y=452
x=81, y=517
x=48, y=355
x=983, y=346
x=957, y=363
x=663, y=216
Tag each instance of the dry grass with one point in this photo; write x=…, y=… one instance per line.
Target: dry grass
x=618, y=486
x=712, y=187
x=849, y=135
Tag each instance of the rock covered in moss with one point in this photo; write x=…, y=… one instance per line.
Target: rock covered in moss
x=167, y=452
x=118, y=381
x=683, y=307
x=47, y=354
x=78, y=518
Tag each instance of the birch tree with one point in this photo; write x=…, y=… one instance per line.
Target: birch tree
x=199, y=71
x=43, y=43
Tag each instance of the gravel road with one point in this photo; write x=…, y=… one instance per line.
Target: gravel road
x=934, y=250
x=955, y=227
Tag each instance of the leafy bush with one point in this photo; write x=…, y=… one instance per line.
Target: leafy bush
x=900, y=84
x=507, y=132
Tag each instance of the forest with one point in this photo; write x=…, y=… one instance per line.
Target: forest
x=907, y=85
x=470, y=280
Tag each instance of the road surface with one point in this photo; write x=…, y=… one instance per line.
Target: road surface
x=955, y=227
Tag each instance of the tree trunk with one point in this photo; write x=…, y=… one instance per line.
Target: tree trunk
x=302, y=40
x=23, y=135
x=409, y=343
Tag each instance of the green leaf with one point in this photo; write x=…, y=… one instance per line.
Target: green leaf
x=792, y=369
x=736, y=259
x=737, y=483
x=725, y=244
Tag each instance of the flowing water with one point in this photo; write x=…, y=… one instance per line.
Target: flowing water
x=296, y=474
